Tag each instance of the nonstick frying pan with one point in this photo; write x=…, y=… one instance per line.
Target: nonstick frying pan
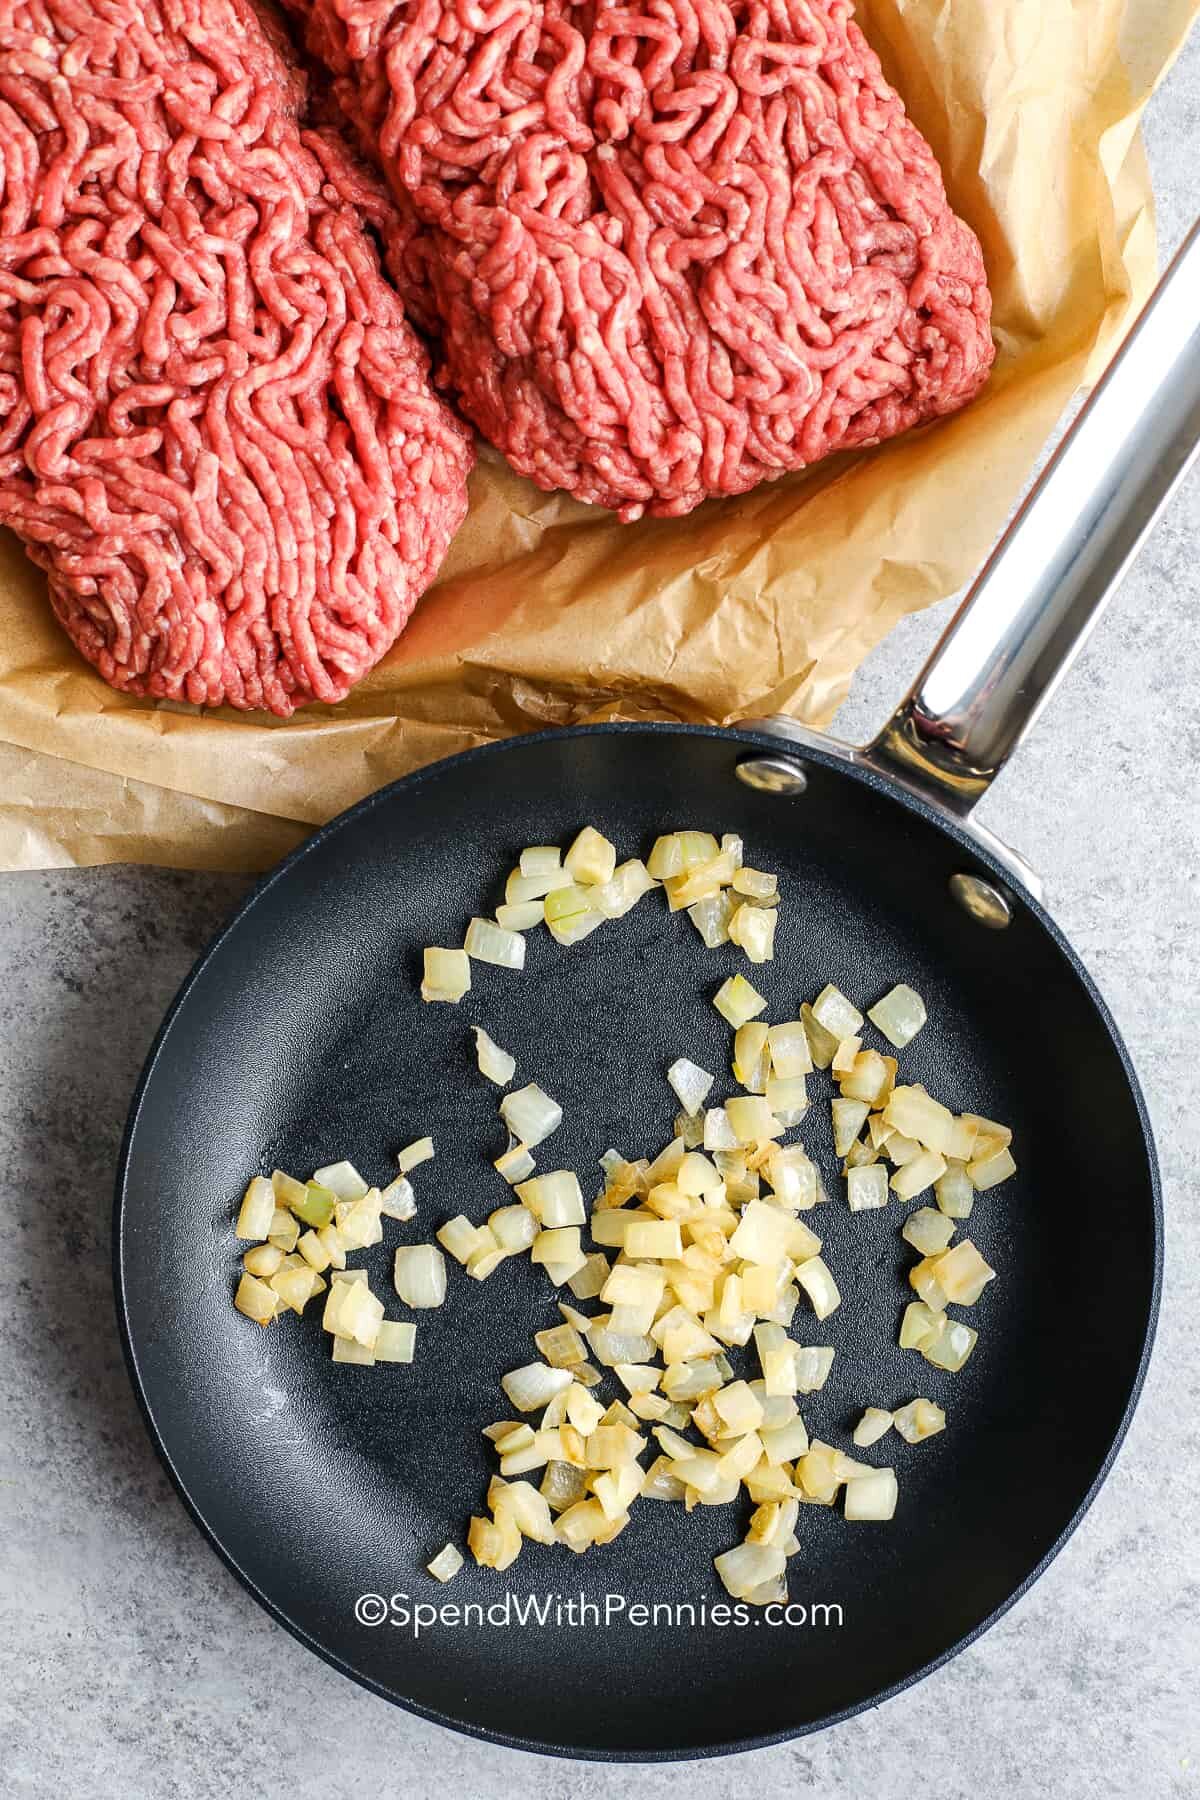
x=299, y=1038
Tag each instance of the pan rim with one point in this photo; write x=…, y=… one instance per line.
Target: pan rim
x=958, y=832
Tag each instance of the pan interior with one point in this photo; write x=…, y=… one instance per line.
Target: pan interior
x=302, y=1039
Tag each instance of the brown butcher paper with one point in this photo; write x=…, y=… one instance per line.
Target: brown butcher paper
x=549, y=612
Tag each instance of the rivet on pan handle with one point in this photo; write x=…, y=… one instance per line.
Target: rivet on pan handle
x=1045, y=584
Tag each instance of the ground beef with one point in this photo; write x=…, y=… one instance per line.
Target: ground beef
x=677, y=249
x=217, y=433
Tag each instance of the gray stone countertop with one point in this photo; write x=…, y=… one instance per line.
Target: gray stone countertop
x=133, y=1666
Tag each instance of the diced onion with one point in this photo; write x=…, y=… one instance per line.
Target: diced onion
x=296, y=1286
x=285, y=1230
x=460, y=1239
x=755, y=883
x=661, y=1483
x=446, y=1563
x=515, y=1165
x=711, y=917
x=591, y=860
x=523, y=890
x=867, y=1188
x=657, y=1238
x=762, y=1234
x=950, y=1347
x=835, y=1014
x=918, y=1420
x=397, y=1200
x=737, y=1001
x=257, y=1212
x=531, y=1115
x=899, y=1015
x=789, y=1051
x=689, y=1127
x=256, y=1300
x=927, y=1231
x=918, y=1326
x=701, y=882
x=822, y=1044
x=690, y=1082
x=359, y=1222
x=353, y=1311
x=414, y=1154
x=563, y=1486
x=521, y=916
x=813, y=1363
x=264, y=1259
x=697, y=1176
x=561, y=1346
x=621, y=893
x=558, y=1244
x=420, y=1275
x=570, y=915
x=396, y=1341
x=738, y=1409
x=342, y=1179
x=901, y=1149
x=541, y=859
x=494, y=1546
x=314, y=1205
x=817, y=1282
x=666, y=858
x=783, y=1443
x=534, y=1385
x=918, y=1115
x=447, y=975
x=874, y=1496
x=751, y=1060
x=874, y=1424
x=923, y=1280
x=613, y=1347
x=868, y=1079
x=496, y=1064
x=752, y=1119
x=753, y=928
x=915, y=1176
x=955, y=1192
x=986, y=1172
x=313, y=1251
x=793, y=1177
x=589, y=1279
x=706, y=1248
x=678, y=851
x=718, y=1132
x=788, y=1099
x=556, y=1199
x=748, y=1567
x=962, y=1274
x=488, y=942
x=513, y=1227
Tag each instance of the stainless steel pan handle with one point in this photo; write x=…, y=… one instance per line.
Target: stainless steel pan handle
x=1045, y=584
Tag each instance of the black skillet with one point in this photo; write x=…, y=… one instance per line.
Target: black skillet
x=299, y=1038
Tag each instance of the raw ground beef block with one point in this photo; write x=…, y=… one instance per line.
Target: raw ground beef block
x=217, y=432
x=676, y=249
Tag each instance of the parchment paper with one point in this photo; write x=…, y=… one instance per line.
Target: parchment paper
x=550, y=612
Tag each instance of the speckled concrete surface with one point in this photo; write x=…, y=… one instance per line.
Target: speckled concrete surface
x=132, y=1666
